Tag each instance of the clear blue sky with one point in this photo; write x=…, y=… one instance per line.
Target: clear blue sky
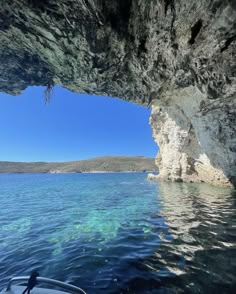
x=71, y=127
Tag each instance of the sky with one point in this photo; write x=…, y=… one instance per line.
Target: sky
x=71, y=127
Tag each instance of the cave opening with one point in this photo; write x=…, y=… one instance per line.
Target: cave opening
x=73, y=127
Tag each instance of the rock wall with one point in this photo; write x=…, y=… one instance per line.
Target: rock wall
x=196, y=145
x=177, y=56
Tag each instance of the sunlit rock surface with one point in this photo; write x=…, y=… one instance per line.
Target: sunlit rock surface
x=176, y=56
x=195, y=145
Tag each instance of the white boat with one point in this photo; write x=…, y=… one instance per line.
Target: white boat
x=18, y=288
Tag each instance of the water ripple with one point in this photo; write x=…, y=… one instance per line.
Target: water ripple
x=118, y=233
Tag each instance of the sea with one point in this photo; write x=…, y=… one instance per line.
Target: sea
x=118, y=233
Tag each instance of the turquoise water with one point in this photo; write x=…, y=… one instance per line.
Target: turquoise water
x=118, y=233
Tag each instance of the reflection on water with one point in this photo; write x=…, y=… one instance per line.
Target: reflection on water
x=202, y=252
x=118, y=233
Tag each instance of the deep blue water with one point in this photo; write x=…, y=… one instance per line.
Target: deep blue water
x=118, y=233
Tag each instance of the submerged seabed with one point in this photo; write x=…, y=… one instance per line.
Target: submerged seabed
x=118, y=233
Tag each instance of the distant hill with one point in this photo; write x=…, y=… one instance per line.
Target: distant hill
x=98, y=164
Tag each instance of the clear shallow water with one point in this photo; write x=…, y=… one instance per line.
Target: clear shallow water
x=118, y=233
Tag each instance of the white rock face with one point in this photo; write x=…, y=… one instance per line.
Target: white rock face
x=196, y=143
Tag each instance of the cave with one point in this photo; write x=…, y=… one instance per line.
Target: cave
x=180, y=62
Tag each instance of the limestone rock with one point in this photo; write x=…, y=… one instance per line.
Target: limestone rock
x=178, y=56
x=195, y=146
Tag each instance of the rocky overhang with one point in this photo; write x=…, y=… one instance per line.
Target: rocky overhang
x=176, y=56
